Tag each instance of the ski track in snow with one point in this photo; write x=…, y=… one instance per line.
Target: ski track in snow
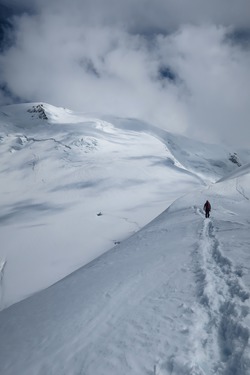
x=240, y=190
x=224, y=306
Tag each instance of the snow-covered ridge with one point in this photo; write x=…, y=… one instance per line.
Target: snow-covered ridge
x=60, y=168
x=171, y=296
x=243, y=170
x=203, y=159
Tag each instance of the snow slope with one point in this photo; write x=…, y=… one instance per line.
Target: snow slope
x=74, y=185
x=171, y=299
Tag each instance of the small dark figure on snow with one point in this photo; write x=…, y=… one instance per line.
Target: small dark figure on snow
x=207, y=208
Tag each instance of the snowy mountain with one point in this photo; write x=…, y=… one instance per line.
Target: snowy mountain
x=171, y=296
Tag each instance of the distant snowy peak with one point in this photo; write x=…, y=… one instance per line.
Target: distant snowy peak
x=18, y=113
x=39, y=110
x=209, y=162
x=235, y=159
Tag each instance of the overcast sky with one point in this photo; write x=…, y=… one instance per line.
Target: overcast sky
x=183, y=65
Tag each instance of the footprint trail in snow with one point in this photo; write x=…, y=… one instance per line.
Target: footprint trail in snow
x=224, y=305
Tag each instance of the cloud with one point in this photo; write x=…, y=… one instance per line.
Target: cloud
x=168, y=62
x=145, y=14
x=216, y=75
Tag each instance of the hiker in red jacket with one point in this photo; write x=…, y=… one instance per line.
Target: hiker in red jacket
x=207, y=208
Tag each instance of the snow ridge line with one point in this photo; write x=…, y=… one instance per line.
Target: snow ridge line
x=225, y=301
x=2, y=266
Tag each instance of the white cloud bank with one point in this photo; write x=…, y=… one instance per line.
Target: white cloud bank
x=114, y=57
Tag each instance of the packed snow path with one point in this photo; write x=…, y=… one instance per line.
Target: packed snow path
x=159, y=303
